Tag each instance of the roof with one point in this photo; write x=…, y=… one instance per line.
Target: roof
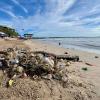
x=2, y=33
x=28, y=34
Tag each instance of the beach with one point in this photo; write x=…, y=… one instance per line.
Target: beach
x=89, y=60
x=92, y=74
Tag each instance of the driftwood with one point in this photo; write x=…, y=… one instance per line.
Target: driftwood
x=66, y=57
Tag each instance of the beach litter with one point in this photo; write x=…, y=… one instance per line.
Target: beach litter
x=10, y=83
x=17, y=62
x=89, y=64
x=96, y=57
x=1, y=65
x=85, y=68
x=65, y=52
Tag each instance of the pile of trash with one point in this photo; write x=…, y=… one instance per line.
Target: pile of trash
x=17, y=63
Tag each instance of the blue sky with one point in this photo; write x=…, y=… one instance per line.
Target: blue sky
x=52, y=17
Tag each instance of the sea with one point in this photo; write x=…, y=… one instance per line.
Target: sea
x=89, y=44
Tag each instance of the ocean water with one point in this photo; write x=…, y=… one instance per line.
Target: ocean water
x=84, y=44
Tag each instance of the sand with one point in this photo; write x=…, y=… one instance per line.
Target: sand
x=93, y=73
x=89, y=78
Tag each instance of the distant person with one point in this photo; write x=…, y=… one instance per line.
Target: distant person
x=59, y=43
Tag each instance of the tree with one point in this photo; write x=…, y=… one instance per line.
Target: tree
x=9, y=31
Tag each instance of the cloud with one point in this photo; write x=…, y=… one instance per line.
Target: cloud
x=54, y=19
x=64, y=5
x=17, y=3
x=81, y=17
x=8, y=12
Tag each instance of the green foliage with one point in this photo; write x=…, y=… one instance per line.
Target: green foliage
x=9, y=31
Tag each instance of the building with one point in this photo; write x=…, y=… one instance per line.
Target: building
x=2, y=34
x=28, y=36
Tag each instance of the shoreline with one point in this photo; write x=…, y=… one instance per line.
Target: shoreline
x=89, y=47
x=46, y=46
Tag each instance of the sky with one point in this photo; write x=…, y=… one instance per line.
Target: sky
x=52, y=17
